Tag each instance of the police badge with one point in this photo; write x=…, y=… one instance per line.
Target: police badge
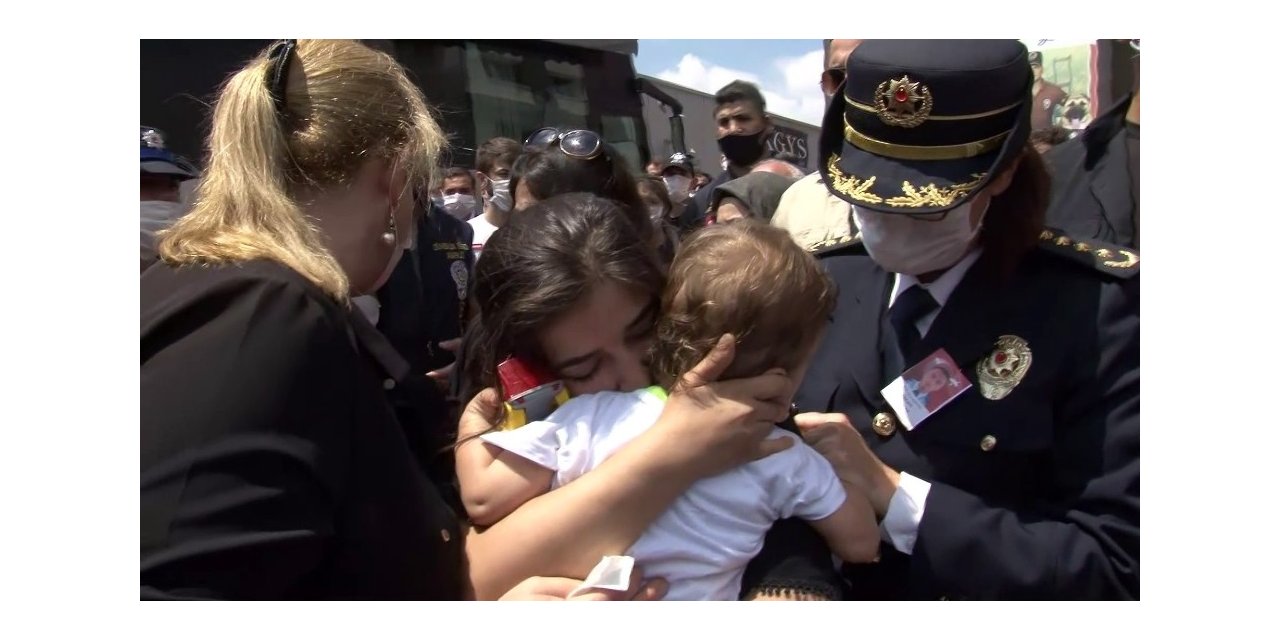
x=1004, y=367
x=458, y=269
x=903, y=102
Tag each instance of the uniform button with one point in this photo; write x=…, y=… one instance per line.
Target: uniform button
x=388, y=384
x=884, y=424
x=444, y=535
x=988, y=443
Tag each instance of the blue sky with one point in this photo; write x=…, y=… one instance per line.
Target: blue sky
x=786, y=70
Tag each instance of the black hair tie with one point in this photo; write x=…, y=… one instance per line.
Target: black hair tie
x=278, y=74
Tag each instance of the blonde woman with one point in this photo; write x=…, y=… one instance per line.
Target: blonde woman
x=272, y=464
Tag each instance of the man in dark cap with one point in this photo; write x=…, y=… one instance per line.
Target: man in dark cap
x=1046, y=95
x=1022, y=483
x=677, y=175
x=163, y=173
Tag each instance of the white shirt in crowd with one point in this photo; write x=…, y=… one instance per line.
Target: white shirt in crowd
x=703, y=542
x=481, y=230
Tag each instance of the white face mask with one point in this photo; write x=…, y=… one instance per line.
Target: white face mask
x=459, y=205
x=901, y=244
x=159, y=214
x=501, y=199
x=677, y=187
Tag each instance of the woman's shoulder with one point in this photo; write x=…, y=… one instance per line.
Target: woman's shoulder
x=258, y=297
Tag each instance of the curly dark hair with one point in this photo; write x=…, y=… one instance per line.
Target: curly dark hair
x=748, y=279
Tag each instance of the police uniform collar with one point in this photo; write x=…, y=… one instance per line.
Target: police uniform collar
x=941, y=288
x=1103, y=129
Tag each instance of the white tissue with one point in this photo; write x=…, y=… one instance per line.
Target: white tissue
x=612, y=573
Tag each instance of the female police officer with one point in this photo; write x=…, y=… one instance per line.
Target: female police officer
x=1025, y=484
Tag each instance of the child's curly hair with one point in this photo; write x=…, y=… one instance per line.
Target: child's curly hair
x=748, y=279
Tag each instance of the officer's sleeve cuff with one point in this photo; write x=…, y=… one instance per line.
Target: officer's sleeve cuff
x=906, y=509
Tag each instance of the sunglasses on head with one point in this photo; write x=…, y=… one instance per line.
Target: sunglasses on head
x=579, y=143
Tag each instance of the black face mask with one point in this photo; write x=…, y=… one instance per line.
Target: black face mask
x=743, y=149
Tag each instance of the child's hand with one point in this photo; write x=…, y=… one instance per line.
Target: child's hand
x=483, y=413
x=539, y=588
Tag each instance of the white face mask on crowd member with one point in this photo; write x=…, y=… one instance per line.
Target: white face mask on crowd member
x=159, y=214
x=677, y=187
x=501, y=199
x=459, y=205
x=902, y=244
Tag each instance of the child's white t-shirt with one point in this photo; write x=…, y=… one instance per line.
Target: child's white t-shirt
x=701, y=545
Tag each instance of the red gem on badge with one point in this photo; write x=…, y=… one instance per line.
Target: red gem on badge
x=1001, y=357
x=900, y=95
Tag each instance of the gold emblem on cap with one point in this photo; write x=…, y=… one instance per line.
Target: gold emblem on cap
x=1004, y=367
x=884, y=424
x=987, y=443
x=903, y=102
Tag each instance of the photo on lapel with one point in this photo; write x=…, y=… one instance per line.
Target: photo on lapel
x=925, y=388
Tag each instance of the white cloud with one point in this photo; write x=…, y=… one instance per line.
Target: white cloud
x=790, y=87
x=692, y=72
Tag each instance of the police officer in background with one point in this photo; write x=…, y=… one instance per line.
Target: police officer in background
x=1024, y=483
x=422, y=312
x=1096, y=176
x=160, y=189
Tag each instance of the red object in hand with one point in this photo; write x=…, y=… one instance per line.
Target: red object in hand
x=519, y=378
x=529, y=392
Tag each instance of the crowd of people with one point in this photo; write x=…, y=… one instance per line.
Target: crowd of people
x=338, y=327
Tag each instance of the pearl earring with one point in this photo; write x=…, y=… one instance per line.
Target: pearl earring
x=389, y=238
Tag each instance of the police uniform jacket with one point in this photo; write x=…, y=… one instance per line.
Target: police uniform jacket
x=273, y=466
x=1094, y=196
x=1033, y=495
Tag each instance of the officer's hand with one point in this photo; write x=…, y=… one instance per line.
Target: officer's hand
x=442, y=375
x=834, y=437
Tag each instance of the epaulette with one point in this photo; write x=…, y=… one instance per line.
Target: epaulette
x=1111, y=259
x=842, y=244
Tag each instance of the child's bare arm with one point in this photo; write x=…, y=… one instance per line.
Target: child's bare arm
x=851, y=531
x=495, y=482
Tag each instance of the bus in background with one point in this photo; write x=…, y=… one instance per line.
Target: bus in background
x=479, y=89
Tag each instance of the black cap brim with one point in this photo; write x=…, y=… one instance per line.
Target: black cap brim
x=889, y=185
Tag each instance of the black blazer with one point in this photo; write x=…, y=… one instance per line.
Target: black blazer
x=1092, y=191
x=272, y=465
x=1034, y=495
